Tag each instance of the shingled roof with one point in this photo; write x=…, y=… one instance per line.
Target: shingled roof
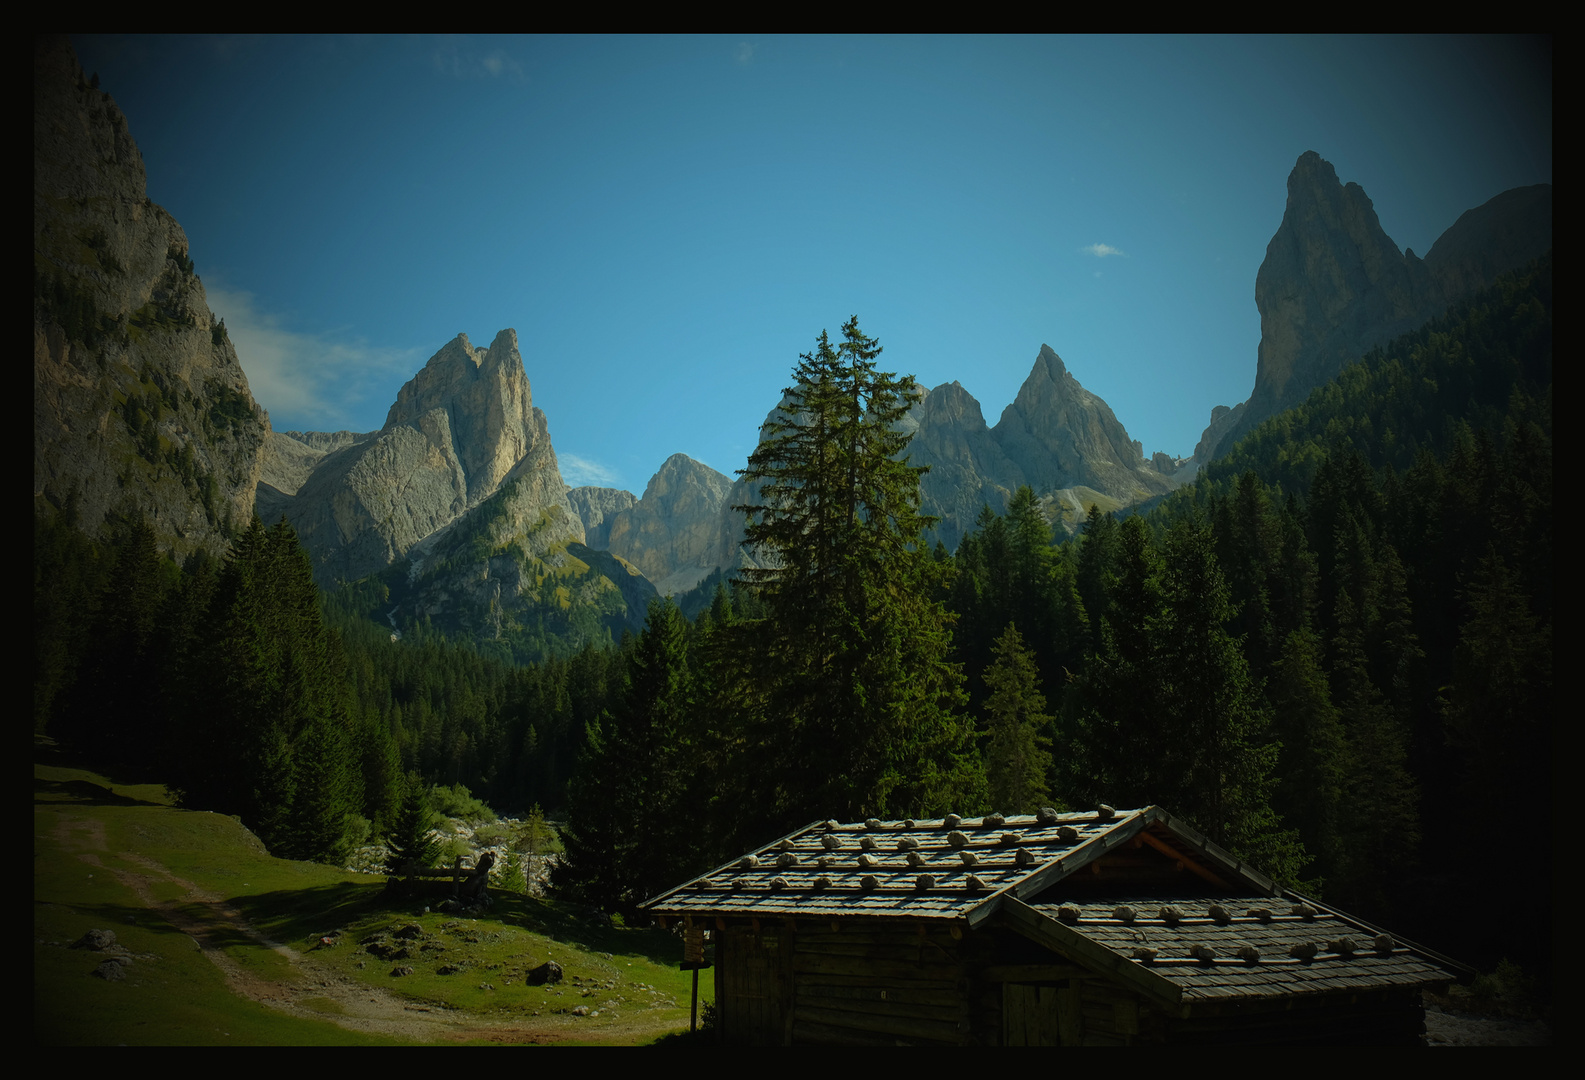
x=1231, y=932
x=938, y=868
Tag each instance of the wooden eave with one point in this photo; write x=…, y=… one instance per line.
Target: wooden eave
x=1463, y=971
x=1043, y=930
x=654, y=902
x=1174, y=837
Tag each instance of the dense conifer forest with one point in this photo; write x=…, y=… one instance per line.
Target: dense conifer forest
x=1332, y=653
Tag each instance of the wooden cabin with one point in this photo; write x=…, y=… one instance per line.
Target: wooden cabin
x=1099, y=928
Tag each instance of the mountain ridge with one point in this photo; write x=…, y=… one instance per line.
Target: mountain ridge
x=140, y=404
x=1333, y=284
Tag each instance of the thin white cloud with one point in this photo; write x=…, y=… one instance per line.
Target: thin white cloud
x=584, y=472
x=455, y=57
x=309, y=381
x=745, y=52
x=1101, y=251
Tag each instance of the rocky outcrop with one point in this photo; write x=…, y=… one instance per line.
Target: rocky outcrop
x=1057, y=437
x=671, y=533
x=290, y=458
x=458, y=432
x=461, y=492
x=968, y=468
x=595, y=506
x=480, y=399
x=1334, y=285
x=1223, y=420
x=1061, y=435
x=140, y=406
x=514, y=571
x=1502, y=234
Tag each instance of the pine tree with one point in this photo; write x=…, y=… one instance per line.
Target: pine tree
x=597, y=836
x=1314, y=757
x=1017, y=750
x=632, y=831
x=265, y=728
x=409, y=841
x=862, y=697
x=1213, y=711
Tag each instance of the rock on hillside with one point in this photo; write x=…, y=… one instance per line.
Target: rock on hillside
x=1061, y=435
x=140, y=407
x=670, y=534
x=968, y=468
x=1334, y=285
x=290, y=458
x=460, y=432
x=595, y=506
x=458, y=503
x=1057, y=437
x=1502, y=234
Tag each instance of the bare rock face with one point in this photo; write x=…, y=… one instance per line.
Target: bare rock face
x=968, y=468
x=670, y=533
x=460, y=432
x=484, y=396
x=1334, y=285
x=140, y=406
x=1061, y=435
x=1056, y=437
x=462, y=492
x=595, y=507
x=1223, y=420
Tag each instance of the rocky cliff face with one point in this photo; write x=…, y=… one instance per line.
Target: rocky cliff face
x=1500, y=235
x=140, y=406
x=458, y=502
x=671, y=533
x=968, y=468
x=595, y=507
x=1061, y=436
x=1334, y=285
x=460, y=431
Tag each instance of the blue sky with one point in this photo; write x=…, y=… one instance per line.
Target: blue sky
x=668, y=222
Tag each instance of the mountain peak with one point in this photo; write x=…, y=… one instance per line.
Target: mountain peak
x=1048, y=359
x=1334, y=284
x=1061, y=435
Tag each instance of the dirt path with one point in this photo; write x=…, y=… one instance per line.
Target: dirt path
x=315, y=991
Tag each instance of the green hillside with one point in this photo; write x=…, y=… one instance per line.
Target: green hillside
x=225, y=945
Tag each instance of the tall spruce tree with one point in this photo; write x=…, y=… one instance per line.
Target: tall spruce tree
x=267, y=734
x=634, y=826
x=1213, y=712
x=1017, y=747
x=862, y=702
x=409, y=841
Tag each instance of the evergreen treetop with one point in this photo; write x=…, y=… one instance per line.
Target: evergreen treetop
x=854, y=649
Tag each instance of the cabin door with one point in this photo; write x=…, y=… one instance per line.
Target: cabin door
x=749, y=998
x=1041, y=1014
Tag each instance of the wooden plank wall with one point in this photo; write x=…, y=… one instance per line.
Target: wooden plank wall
x=889, y=986
x=858, y=986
